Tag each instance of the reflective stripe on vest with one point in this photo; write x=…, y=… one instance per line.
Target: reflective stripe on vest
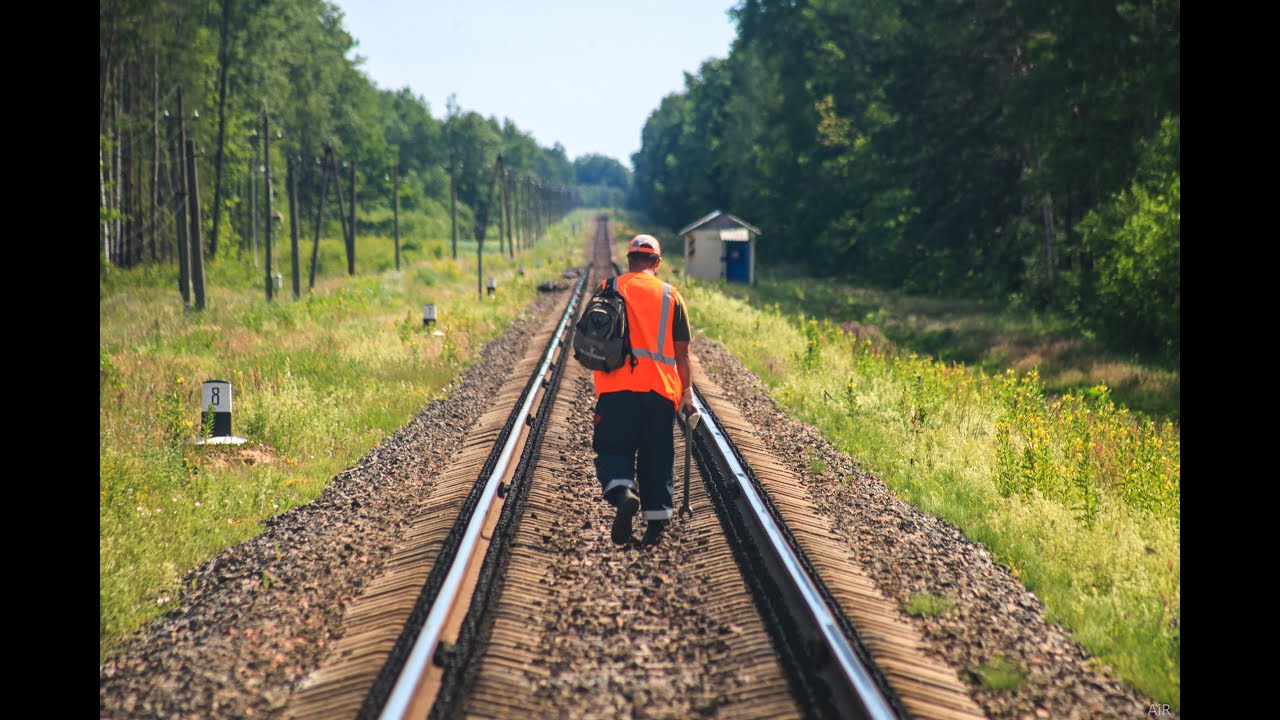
x=662, y=332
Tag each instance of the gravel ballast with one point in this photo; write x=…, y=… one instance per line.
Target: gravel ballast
x=236, y=646
x=907, y=551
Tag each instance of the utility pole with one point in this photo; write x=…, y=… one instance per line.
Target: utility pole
x=506, y=210
x=293, y=224
x=395, y=189
x=180, y=210
x=266, y=182
x=453, y=202
x=253, y=191
x=197, y=247
x=500, y=178
x=324, y=184
x=351, y=256
x=342, y=211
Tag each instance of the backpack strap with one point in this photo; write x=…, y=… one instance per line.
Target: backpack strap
x=613, y=283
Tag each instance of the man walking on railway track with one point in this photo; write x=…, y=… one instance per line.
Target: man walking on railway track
x=636, y=404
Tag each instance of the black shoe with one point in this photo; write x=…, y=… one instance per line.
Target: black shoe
x=628, y=504
x=653, y=533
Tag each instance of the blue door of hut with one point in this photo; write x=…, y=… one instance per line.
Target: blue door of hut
x=737, y=262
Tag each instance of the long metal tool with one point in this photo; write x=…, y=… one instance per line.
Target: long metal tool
x=690, y=423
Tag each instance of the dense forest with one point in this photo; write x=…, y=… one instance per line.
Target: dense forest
x=1020, y=149
x=262, y=87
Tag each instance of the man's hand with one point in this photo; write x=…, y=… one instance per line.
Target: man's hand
x=686, y=402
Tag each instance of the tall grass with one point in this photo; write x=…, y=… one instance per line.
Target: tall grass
x=1077, y=496
x=978, y=333
x=316, y=383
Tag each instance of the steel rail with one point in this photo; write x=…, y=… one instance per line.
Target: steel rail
x=860, y=680
x=406, y=683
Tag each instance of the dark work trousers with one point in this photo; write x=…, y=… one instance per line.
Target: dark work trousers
x=634, y=444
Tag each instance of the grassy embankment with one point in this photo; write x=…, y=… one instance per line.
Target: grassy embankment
x=317, y=382
x=980, y=334
x=1077, y=495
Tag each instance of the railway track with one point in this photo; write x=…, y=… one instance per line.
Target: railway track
x=507, y=598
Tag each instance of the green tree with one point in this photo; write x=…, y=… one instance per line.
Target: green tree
x=596, y=169
x=293, y=59
x=923, y=145
x=1136, y=238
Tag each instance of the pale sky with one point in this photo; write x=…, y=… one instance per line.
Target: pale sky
x=585, y=73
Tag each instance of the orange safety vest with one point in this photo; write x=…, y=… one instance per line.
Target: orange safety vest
x=651, y=304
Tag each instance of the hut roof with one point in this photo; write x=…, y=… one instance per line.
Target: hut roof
x=716, y=214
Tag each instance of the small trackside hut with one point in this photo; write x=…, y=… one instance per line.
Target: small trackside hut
x=721, y=246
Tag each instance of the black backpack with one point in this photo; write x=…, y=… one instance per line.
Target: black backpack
x=602, y=341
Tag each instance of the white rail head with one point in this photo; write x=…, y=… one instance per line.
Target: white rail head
x=406, y=683
x=842, y=651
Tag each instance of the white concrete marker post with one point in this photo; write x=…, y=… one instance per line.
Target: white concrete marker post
x=215, y=404
x=493, y=285
x=215, y=400
x=429, y=318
